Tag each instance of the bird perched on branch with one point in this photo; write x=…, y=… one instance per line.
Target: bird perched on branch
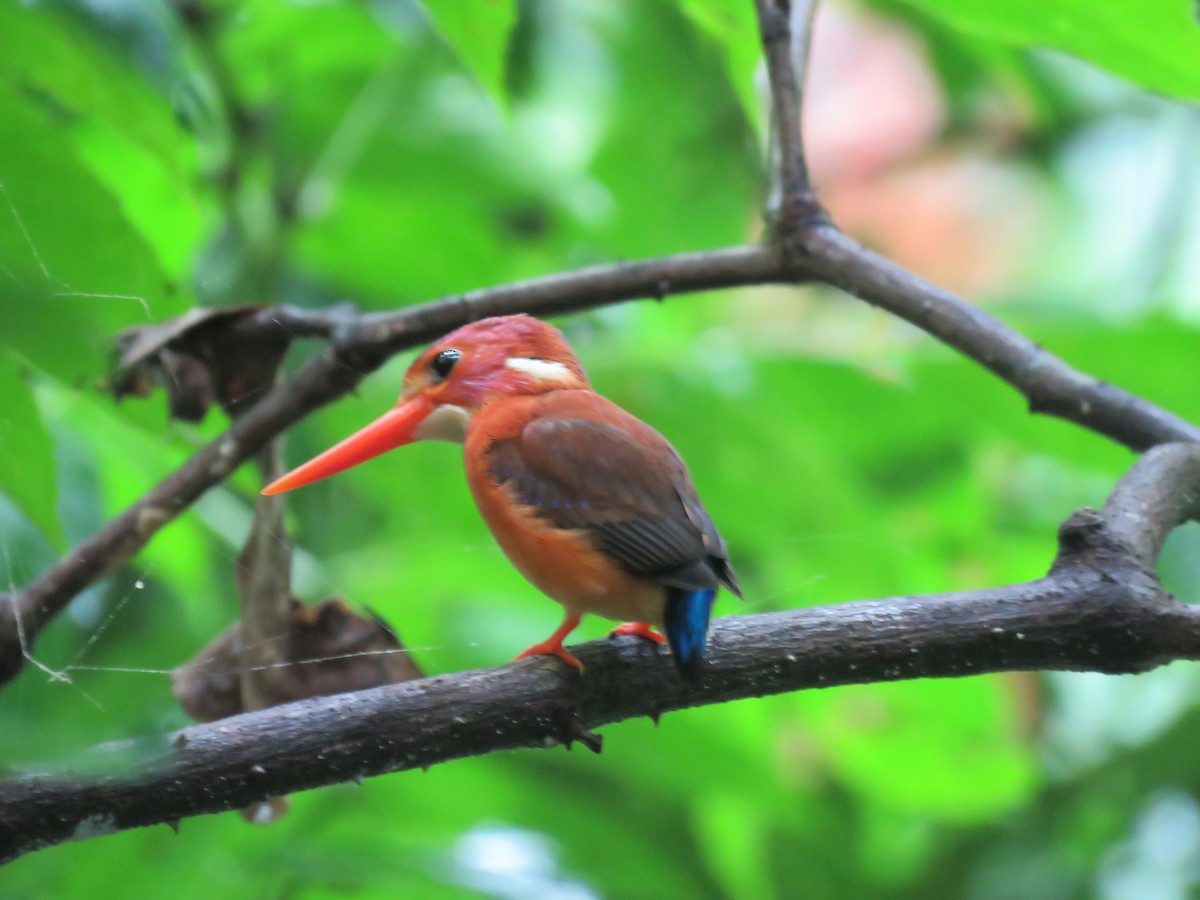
x=591, y=505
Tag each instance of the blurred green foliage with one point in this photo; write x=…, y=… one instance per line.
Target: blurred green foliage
x=1155, y=43
x=160, y=155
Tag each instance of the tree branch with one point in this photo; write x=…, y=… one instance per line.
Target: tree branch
x=389, y=333
x=1051, y=386
x=1099, y=609
x=1160, y=492
x=786, y=30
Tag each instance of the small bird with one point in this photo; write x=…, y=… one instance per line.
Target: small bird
x=591, y=505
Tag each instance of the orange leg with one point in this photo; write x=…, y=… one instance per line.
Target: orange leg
x=639, y=629
x=553, y=645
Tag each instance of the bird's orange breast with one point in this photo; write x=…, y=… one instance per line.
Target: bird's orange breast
x=563, y=563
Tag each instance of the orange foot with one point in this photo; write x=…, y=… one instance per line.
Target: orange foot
x=553, y=645
x=639, y=629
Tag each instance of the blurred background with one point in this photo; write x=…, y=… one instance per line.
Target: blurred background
x=155, y=156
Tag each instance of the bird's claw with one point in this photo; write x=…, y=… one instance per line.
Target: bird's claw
x=639, y=629
x=550, y=648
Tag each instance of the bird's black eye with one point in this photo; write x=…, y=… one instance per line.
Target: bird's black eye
x=443, y=364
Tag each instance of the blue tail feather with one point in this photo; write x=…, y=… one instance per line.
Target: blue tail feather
x=686, y=625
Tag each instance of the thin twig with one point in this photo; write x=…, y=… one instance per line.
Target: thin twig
x=1099, y=610
x=786, y=30
x=803, y=14
x=265, y=587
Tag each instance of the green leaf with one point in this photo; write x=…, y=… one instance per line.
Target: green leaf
x=49, y=53
x=730, y=829
x=1153, y=43
x=478, y=30
x=945, y=748
x=733, y=27
x=679, y=179
x=73, y=269
x=27, y=467
x=161, y=205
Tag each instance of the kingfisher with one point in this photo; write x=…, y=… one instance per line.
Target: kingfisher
x=591, y=505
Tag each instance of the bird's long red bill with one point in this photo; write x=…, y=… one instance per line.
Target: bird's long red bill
x=395, y=428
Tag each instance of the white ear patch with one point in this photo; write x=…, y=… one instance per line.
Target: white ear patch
x=445, y=423
x=540, y=369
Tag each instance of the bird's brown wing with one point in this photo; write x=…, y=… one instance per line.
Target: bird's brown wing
x=632, y=494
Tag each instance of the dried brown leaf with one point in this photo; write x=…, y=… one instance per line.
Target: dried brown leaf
x=201, y=356
x=329, y=649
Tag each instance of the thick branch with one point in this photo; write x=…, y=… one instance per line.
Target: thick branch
x=1098, y=610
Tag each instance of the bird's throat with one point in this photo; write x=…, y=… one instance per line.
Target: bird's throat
x=445, y=423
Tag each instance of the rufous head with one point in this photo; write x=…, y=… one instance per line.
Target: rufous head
x=499, y=357
x=448, y=383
